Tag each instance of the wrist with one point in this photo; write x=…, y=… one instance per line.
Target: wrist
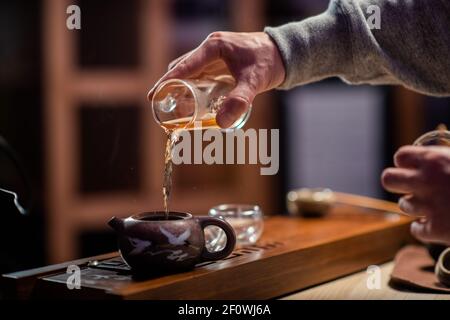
x=277, y=67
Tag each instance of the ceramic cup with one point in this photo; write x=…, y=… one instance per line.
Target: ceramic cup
x=151, y=243
x=443, y=268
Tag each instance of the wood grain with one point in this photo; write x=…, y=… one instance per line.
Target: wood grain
x=354, y=287
x=366, y=202
x=298, y=253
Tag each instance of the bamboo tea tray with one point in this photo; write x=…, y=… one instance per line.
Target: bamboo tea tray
x=293, y=253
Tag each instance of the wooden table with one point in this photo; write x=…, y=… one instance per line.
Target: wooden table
x=293, y=254
x=353, y=287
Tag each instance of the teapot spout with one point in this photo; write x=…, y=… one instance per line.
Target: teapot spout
x=117, y=224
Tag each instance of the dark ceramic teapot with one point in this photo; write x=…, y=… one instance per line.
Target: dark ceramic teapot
x=150, y=243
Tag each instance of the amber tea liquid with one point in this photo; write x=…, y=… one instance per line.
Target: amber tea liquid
x=184, y=104
x=207, y=122
x=188, y=105
x=172, y=138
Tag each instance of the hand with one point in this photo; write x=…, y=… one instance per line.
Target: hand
x=251, y=58
x=423, y=174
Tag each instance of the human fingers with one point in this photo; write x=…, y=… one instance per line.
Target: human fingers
x=192, y=64
x=412, y=205
x=400, y=180
x=410, y=157
x=174, y=62
x=237, y=103
x=431, y=231
x=421, y=230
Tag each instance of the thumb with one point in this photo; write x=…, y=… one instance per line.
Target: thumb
x=237, y=103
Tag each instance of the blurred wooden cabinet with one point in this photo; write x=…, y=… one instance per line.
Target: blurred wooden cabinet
x=104, y=152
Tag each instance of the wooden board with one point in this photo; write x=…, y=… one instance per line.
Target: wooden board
x=354, y=287
x=294, y=253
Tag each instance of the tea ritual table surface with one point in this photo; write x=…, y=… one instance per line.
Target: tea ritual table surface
x=354, y=287
x=294, y=253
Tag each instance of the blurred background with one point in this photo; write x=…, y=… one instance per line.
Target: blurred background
x=80, y=144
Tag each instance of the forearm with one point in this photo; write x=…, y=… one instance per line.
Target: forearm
x=411, y=48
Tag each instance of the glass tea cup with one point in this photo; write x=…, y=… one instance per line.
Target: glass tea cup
x=438, y=137
x=246, y=220
x=191, y=103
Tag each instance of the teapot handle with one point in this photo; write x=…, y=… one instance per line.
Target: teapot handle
x=229, y=232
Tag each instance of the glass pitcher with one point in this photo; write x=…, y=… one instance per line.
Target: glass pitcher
x=193, y=103
x=438, y=137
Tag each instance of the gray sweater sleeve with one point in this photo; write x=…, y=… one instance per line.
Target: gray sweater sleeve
x=411, y=47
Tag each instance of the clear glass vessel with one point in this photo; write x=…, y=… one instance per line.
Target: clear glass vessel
x=182, y=104
x=438, y=137
x=246, y=220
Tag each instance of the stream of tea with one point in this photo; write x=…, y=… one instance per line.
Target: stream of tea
x=172, y=138
x=172, y=129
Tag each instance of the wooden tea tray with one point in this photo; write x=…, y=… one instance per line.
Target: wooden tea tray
x=293, y=253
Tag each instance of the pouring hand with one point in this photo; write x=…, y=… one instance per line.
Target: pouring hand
x=251, y=58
